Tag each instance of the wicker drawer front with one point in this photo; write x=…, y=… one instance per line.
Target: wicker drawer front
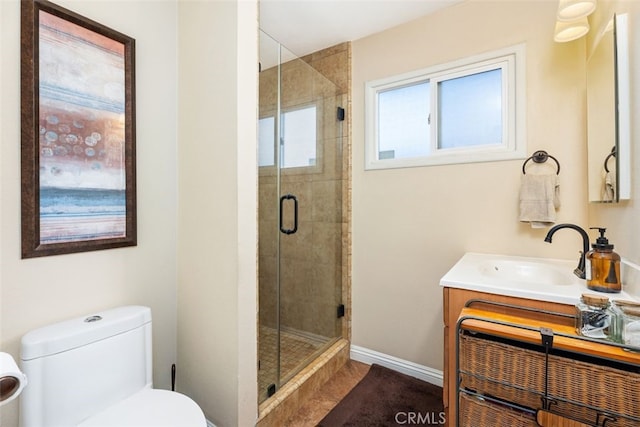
x=476, y=413
x=517, y=375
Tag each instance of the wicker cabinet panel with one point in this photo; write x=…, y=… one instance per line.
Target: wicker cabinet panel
x=476, y=412
x=454, y=301
x=517, y=375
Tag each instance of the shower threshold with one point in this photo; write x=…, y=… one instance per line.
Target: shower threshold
x=275, y=411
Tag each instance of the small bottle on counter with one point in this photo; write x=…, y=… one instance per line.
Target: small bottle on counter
x=630, y=322
x=597, y=318
x=602, y=268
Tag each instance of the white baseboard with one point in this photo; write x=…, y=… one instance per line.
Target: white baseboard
x=424, y=373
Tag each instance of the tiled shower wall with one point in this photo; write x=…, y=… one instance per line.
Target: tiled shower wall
x=317, y=257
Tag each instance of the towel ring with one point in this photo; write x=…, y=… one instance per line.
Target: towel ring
x=540, y=156
x=606, y=161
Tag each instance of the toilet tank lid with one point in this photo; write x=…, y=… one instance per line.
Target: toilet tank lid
x=73, y=333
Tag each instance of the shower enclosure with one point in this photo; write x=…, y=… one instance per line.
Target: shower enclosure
x=300, y=210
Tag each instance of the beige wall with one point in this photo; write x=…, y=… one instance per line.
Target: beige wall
x=411, y=225
x=36, y=292
x=217, y=208
x=205, y=283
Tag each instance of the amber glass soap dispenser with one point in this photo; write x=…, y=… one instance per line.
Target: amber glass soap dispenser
x=603, y=266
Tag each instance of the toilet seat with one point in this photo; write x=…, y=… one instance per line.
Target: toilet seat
x=150, y=407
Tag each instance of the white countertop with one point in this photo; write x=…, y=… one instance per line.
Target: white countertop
x=523, y=277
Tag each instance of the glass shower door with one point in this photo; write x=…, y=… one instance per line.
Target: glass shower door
x=268, y=214
x=300, y=215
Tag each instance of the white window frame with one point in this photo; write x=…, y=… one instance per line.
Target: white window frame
x=510, y=60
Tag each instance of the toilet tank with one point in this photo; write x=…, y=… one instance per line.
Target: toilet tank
x=81, y=366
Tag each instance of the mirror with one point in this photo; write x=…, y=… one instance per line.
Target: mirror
x=608, y=128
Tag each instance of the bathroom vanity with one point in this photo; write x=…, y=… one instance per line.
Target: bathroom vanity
x=502, y=286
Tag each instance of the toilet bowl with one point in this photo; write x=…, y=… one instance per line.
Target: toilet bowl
x=97, y=371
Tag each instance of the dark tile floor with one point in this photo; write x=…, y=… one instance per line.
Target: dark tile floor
x=332, y=392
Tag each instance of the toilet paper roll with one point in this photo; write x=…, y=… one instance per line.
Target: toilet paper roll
x=12, y=380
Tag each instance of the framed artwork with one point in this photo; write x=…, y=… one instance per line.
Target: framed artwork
x=78, y=133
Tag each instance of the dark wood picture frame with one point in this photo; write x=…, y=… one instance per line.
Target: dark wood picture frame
x=78, y=156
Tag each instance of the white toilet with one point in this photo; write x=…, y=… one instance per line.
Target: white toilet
x=96, y=371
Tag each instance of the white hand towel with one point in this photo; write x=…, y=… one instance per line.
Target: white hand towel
x=609, y=187
x=539, y=199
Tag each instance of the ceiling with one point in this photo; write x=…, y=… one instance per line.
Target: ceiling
x=306, y=26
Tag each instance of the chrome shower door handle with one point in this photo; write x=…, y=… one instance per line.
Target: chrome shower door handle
x=295, y=214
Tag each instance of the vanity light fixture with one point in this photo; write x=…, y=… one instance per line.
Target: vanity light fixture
x=573, y=10
x=571, y=19
x=568, y=31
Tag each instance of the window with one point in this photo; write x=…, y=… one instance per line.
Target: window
x=466, y=111
x=266, y=141
x=298, y=144
x=298, y=140
x=403, y=129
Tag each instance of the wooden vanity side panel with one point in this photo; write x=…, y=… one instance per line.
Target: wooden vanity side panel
x=454, y=301
x=445, y=315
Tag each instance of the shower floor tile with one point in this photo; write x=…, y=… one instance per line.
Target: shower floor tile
x=295, y=351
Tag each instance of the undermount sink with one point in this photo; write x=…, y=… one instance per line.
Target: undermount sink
x=530, y=272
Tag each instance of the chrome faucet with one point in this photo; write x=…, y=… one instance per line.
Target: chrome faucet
x=579, y=271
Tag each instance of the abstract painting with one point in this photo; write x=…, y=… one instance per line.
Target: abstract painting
x=78, y=133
